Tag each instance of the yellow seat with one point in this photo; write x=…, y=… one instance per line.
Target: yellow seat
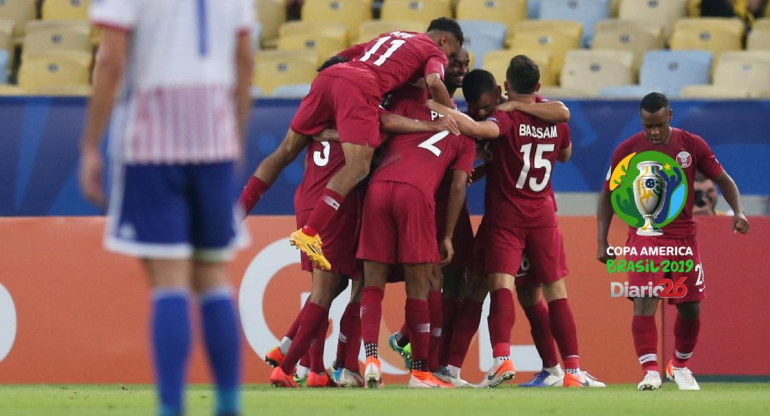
x=507, y=12
x=350, y=13
x=271, y=15
x=314, y=28
x=44, y=37
x=759, y=40
x=746, y=57
x=752, y=75
x=65, y=9
x=627, y=35
x=497, y=63
x=64, y=90
x=654, y=12
x=20, y=12
x=422, y=11
x=555, y=36
x=6, y=90
x=614, y=8
x=592, y=70
x=762, y=24
x=713, y=91
x=712, y=34
x=561, y=92
x=54, y=68
x=373, y=28
x=276, y=68
x=324, y=46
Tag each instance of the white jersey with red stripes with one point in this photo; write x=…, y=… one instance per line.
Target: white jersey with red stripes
x=177, y=101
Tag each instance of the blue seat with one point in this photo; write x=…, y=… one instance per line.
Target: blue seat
x=672, y=70
x=587, y=12
x=533, y=9
x=5, y=58
x=482, y=37
x=627, y=91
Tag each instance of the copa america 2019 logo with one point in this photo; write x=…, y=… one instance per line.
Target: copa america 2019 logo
x=649, y=190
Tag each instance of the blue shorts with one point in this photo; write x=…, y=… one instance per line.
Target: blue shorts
x=175, y=211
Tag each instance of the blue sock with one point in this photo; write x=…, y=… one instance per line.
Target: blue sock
x=171, y=347
x=222, y=335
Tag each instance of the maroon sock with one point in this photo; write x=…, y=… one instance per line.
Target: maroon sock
x=564, y=332
x=313, y=317
x=353, y=344
x=251, y=194
x=292, y=332
x=324, y=211
x=501, y=318
x=436, y=325
x=317, y=349
x=449, y=309
x=418, y=321
x=685, y=337
x=467, y=323
x=645, y=332
x=371, y=315
x=344, y=332
x=541, y=333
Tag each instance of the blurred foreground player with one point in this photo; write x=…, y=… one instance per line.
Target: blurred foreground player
x=184, y=71
x=692, y=153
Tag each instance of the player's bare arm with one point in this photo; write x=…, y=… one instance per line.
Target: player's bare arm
x=467, y=125
x=454, y=205
x=603, y=220
x=551, y=111
x=244, y=57
x=108, y=71
x=733, y=197
x=398, y=124
x=437, y=89
x=287, y=151
x=565, y=154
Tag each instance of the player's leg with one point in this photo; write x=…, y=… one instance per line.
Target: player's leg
x=500, y=320
x=645, y=334
x=375, y=277
x=350, y=340
x=466, y=325
x=686, y=329
x=451, y=300
x=536, y=311
x=564, y=331
x=436, y=317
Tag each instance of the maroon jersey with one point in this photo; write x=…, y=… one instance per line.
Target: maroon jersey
x=396, y=59
x=323, y=160
x=692, y=153
x=519, y=192
x=420, y=159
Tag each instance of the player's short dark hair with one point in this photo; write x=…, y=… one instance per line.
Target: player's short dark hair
x=653, y=102
x=334, y=60
x=476, y=83
x=523, y=74
x=446, y=24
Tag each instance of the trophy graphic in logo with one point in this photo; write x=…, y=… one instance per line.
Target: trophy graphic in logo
x=649, y=195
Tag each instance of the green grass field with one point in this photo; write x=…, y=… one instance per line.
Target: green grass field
x=720, y=399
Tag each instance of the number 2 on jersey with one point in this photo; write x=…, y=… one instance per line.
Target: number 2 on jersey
x=526, y=151
x=430, y=143
x=394, y=45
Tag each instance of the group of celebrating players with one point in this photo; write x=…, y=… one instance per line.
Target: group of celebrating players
x=390, y=100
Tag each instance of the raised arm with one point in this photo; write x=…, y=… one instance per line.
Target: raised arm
x=550, y=111
x=467, y=125
x=437, y=89
x=603, y=221
x=733, y=197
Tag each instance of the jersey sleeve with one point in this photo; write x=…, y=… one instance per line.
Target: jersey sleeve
x=115, y=14
x=353, y=52
x=246, y=16
x=564, y=133
x=436, y=63
x=503, y=121
x=466, y=157
x=706, y=161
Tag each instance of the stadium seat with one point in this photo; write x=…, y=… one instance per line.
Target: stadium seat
x=626, y=91
x=276, y=68
x=291, y=91
x=314, y=28
x=753, y=75
x=745, y=57
x=654, y=12
x=497, y=63
x=350, y=13
x=555, y=36
x=614, y=8
x=759, y=37
x=587, y=12
x=709, y=34
x=54, y=68
x=482, y=36
x=561, y=92
x=422, y=11
x=627, y=35
x=533, y=8
x=271, y=15
x=672, y=70
x=507, y=12
x=5, y=59
x=65, y=9
x=592, y=70
x=18, y=11
x=6, y=90
x=324, y=46
x=42, y=38
x=713, y=91
x=762, y=24
x=66, y=90
x=373, y=28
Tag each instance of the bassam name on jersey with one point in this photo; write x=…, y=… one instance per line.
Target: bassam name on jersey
x=537, y=132
x=650, y=251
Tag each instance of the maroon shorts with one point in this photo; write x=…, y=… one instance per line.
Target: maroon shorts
x=349, y=101
x=500, y=250
x=694, y=279
x=398, y=225
x=339, y=243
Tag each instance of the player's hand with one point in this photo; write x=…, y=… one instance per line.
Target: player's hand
x=601, y=252
x=446, y=123
x=447, y=251
x=740, y=223
x=90, y=175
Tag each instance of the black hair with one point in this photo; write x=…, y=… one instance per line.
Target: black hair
x=446, y=24
x=334, y=60
x=523, y=74
x=653, y=102
x=476, y=83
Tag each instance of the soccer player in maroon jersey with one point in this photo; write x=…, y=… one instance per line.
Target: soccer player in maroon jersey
x=692, y=153
x=398, y=228
x=349, y=95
